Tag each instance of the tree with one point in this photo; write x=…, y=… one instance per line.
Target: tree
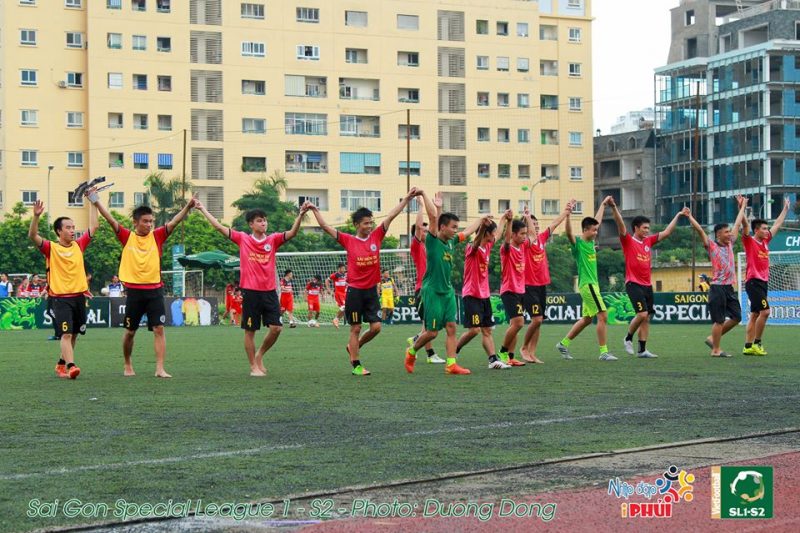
x=103, y=254
x=166, y=196
x=17, y=253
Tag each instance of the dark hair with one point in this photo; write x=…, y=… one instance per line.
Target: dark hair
x=384, y=270
x=638, y=221
x=756, y=223
x=720, y=227
x=588, y=222
x=517, y=225
x=254, y=214
x=340, y=265
x=57, y=224
x=140, y=211
x=316, y=277
x=360, y=214
x=491, y=227
x=446, y=218
x=287, y=272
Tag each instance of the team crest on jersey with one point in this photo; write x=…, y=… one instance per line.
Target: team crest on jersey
x=646, y=248
x=267, y=247
x=372, y=247
x=447, y=256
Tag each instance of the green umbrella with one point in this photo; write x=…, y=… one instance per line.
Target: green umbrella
x=213, y=258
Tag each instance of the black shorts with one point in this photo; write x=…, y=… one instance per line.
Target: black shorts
x=141, y=302
x=418, y=304
x=722, y=302
x=641, y=297
x=69, y=315
x=513, y=304
x=260, y=307
x=478, y=312
x=757, y=294
x=535, y=300
x=362, y=305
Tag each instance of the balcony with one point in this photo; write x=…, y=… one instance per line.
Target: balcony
x=307, y=162
x=359, y=126
x=359, y=89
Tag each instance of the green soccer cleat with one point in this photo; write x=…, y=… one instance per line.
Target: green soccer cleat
x=759, y=349
x=750, y=351
x=360, y=371
x=503, y=356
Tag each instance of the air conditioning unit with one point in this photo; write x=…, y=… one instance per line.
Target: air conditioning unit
x=62, y=84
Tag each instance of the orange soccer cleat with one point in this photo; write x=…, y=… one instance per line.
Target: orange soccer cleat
x=514, y=362
x=455, y=369
x=410, y=361
x=61, y=371
x=74, y=372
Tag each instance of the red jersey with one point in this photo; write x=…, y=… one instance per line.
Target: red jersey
x=339, y=282
x=420, y=260
x=286, y=287
x=363, y=257
x=637, y=258
x=476, y=270
x=757, y=254
x=537, y=269
x=257, y=259
x=512, y=262
x=313, y=290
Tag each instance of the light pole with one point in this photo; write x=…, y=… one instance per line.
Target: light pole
x=531, y=207
x=49, y=170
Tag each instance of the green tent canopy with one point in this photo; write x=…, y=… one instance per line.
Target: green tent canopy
x=212, y=258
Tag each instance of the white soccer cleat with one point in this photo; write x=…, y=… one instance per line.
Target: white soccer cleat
x=564, y=351
x=608, y=356
x=498, y=365
x=628, y=346
x=435, y=359
x=647, y=354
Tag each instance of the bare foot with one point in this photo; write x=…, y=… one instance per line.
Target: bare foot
x=128, y=371
x=162, y=374
x=262, y=368
x=257, y=373
x=524, y=354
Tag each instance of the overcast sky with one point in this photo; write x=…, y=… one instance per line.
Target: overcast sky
x=630, y=39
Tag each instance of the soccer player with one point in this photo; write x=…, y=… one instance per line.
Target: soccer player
x=363, y=272
x=115, y=289
x=637, y=250
x=257, y=280
x=66, y=281
x=756, y=249
x=36, y=289
x=722, y=301
x=420, y=262
x=237, y=300
x=287, y=296
x=512, y=284
x=339, y=279
x=537, y=278
x=583, y=251
x=478, y=316
x=438, y=295
x=387, y=297
x=140, y=272
x=313, y=288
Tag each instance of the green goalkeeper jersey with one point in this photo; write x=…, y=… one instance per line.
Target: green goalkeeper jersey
x=586, y=258
x=440, y=264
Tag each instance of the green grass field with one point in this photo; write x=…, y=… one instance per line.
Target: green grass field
x=213, y=432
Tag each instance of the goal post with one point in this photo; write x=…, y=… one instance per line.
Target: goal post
x=784, y=288
x=182, y=283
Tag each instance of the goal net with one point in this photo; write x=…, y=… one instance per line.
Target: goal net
x=183, y=283
x=305, y=265
x=784, y=288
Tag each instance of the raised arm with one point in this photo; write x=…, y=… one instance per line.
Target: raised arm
x=178, y=218
x=225, y=231
x=93, y=222
x=699, y=229
x=396, y=210
x=563, y=216
x=599, y=215
x=568, y=229
x=737, y=224
x=673, y=223
x=476, y=226
x=95, y=199
x=508, y=217
x=418, y=233
x=327, y=228
x=621, y=229
x=776, y=227
x=33, y=230
x=431, y=210
x=292, y=233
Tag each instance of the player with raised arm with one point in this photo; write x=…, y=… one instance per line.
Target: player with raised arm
x=537, y=278
x=66, y=281
x=364, y=273
x=723, y=306
x=756, y=249
x=592, y=305
x=339, y=279
x=512, y=284
x=257, y=281
x=637, y=250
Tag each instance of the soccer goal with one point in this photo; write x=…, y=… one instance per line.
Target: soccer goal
x=784, y=288
x=304, y=265
x=182, y=283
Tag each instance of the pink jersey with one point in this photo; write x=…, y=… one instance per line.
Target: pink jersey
x=723, y=263
x=512, y=262
x=476, y=270
x=257, y=260
x=313, y=289
x=363, y=257
x=286, y=288
x=537, y=270
x=757, y=254
x=420, y=260
x=637, y=258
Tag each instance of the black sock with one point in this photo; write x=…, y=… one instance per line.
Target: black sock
x=629, y=337
x=511, y=355
x=458, y=350
x=757, y=341
x=62, y=362
x=748, y=345
x=492, y=358
x=642, y=346
x=431, y=352
x=70, y=365
x=503, y=349
x=356, y=363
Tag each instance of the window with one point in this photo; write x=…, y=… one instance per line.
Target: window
x=305, y=124
x=254, y=125
x=408, y=95
x=253, y=49
x=578, y=209
x=503, y=135
x=28, y=78
x=74, y=119
x=114, y=4
x=29, y=197
x=27, y=37
x=138, y=5
x=502, y=63
x=483, y=63
x=483, y=99
x=523, y=135
x=407, y=22
x=353, y=199
x=115, y=80
x=312, y=162
x=522, y=29
x=252, y=11
x=74, y=39
x=116, y=199
x=28, y=117
x=412, y=130
x=414, y=169
x=576, y=173
x=502, y=28
x=574, y=3
x=483, y=170
x=550, y=207
x=504, y=171
x=164, y=44
x=163, y=6
x=503, y=205
x=139, y=42
x=140, y=82
x=359, y=163
x=523, y=64
x=575, y=35
x=548, y=102
x=308, y=14
x=165, y=161
x=482, y=27
x=484, y=206
x=164, y=83
x=575, y=103
x=523, y=100
x=575, y=70
x=114, y=40
x=165, y=122
x=29, y=158
x=75, y=159
x=115, y=121
x=257, y=87
x=524, y=171
x=575, y=138
x=141, y=160
x=75, y=79
x=308, y=52
x=357, y=19
x=483, y=135
x=140, y=121
x=141, y=198
x=254, y=164
x=690, y=17
x=72, y=3
x=502, y=99
x=355, y=55
x=408, y=59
